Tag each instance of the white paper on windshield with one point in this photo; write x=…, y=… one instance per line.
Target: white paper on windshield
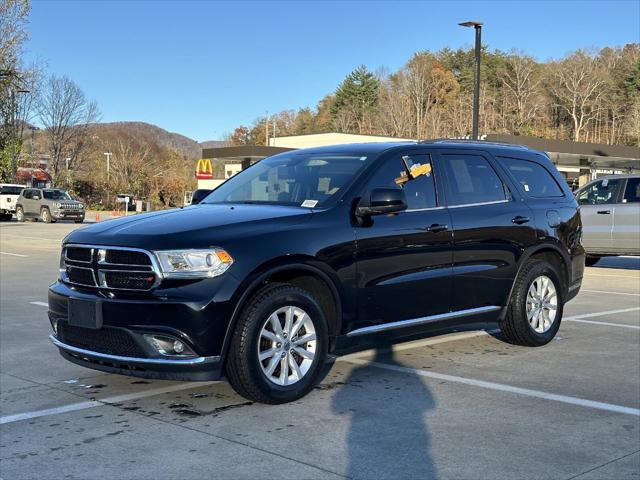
x=309, y=203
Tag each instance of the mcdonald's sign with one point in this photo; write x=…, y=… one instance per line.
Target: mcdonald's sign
x=204, y=169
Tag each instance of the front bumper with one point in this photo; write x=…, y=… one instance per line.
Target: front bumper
x=196, y=369
x=120, y=344
x=68, y=214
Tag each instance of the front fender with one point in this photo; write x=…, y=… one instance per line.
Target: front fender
x=278, y=265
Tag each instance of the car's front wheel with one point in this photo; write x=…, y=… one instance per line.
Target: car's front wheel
x=279, y=345
x=45, y=215
x=535, y=310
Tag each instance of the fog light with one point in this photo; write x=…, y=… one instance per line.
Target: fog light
x=54, y=325
x=178, y=346
x=169, y=346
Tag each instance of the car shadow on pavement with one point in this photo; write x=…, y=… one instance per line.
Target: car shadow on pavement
x=626, y=263
x=387, y=434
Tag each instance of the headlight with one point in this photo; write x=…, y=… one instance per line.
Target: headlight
x=81, y=206
x=57, y=205
x=194, y=263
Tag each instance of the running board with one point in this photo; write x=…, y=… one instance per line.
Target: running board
x=419, y=321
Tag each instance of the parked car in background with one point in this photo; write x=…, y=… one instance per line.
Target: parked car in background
x=199, y=195
x=49, y=205
x=9, y=194
x=316, y=250
x=610, y=208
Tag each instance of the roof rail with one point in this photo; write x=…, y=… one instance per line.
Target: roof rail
x=469, y=140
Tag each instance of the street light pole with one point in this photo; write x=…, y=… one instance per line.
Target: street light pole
x=476, y=91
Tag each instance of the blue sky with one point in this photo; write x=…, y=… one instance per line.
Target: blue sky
x=203, y=68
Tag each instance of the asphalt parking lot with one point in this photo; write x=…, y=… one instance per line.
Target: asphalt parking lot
x=464, y=405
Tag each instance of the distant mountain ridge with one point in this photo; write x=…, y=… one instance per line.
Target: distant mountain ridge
x=180, y=143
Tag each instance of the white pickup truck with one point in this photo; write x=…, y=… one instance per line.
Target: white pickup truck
x=9, y=193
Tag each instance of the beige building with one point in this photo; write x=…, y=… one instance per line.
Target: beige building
x=578, y=162
x=324, y=139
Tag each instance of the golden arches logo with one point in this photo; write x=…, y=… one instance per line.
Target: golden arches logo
x=204, y=169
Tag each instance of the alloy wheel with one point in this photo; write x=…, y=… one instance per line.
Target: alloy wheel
x=542, y=304
x=287, y=345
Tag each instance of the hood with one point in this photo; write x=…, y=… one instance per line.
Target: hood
x=198, y=226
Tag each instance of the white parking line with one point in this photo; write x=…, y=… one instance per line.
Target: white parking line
x=13, y=254
x=502, y=387
x=96, y=403
x=611, y=293
x=600, y=314
x=41, y=304
x=607, y=324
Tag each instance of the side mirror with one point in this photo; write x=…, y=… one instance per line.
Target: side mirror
x=383, y=201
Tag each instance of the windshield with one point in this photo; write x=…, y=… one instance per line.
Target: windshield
x=306, y=180
x=56, y=195
x=8, y=190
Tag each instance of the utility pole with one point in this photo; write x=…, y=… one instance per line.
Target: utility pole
x=476, y=91
x=108, y=155
x=266, y=129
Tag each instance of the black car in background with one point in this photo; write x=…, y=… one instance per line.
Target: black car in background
x=319, y=250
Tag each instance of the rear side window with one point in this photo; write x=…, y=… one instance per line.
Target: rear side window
x=534, y=179
x=632, y=192
x=420, y=190
x=600, y=193
x=471, y=179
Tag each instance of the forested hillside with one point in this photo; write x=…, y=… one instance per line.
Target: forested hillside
x=591, y=96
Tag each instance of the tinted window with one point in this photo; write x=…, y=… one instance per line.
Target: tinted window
x=470, y=179
x=27, y=194
x=7, y=190
x=304, y=179
x=56, y=195
x=600, y=193
x=419, y=190
x=632, y=192
x=534, y=179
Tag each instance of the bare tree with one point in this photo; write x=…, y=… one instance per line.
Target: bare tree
x=65, y=114
x=576, y=83
x=521, y=84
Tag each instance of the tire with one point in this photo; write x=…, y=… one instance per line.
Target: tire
x=45, y=215
x=19, y=214
x=248, y=375
x=590, y=261
x=516, y=325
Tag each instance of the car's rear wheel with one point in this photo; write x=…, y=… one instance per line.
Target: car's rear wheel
x=279, y=345
x=20, y=214
x=591, y=260
x=535, y=310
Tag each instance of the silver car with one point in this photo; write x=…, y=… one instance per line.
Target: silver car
x=610, y=210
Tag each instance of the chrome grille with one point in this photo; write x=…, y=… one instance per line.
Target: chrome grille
x=70, y=206
x=113, y=268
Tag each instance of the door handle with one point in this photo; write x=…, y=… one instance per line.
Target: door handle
x=519, y=220
x=604, y=212
x=437, y=227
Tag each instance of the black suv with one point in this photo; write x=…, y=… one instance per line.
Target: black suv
x=321, y=250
